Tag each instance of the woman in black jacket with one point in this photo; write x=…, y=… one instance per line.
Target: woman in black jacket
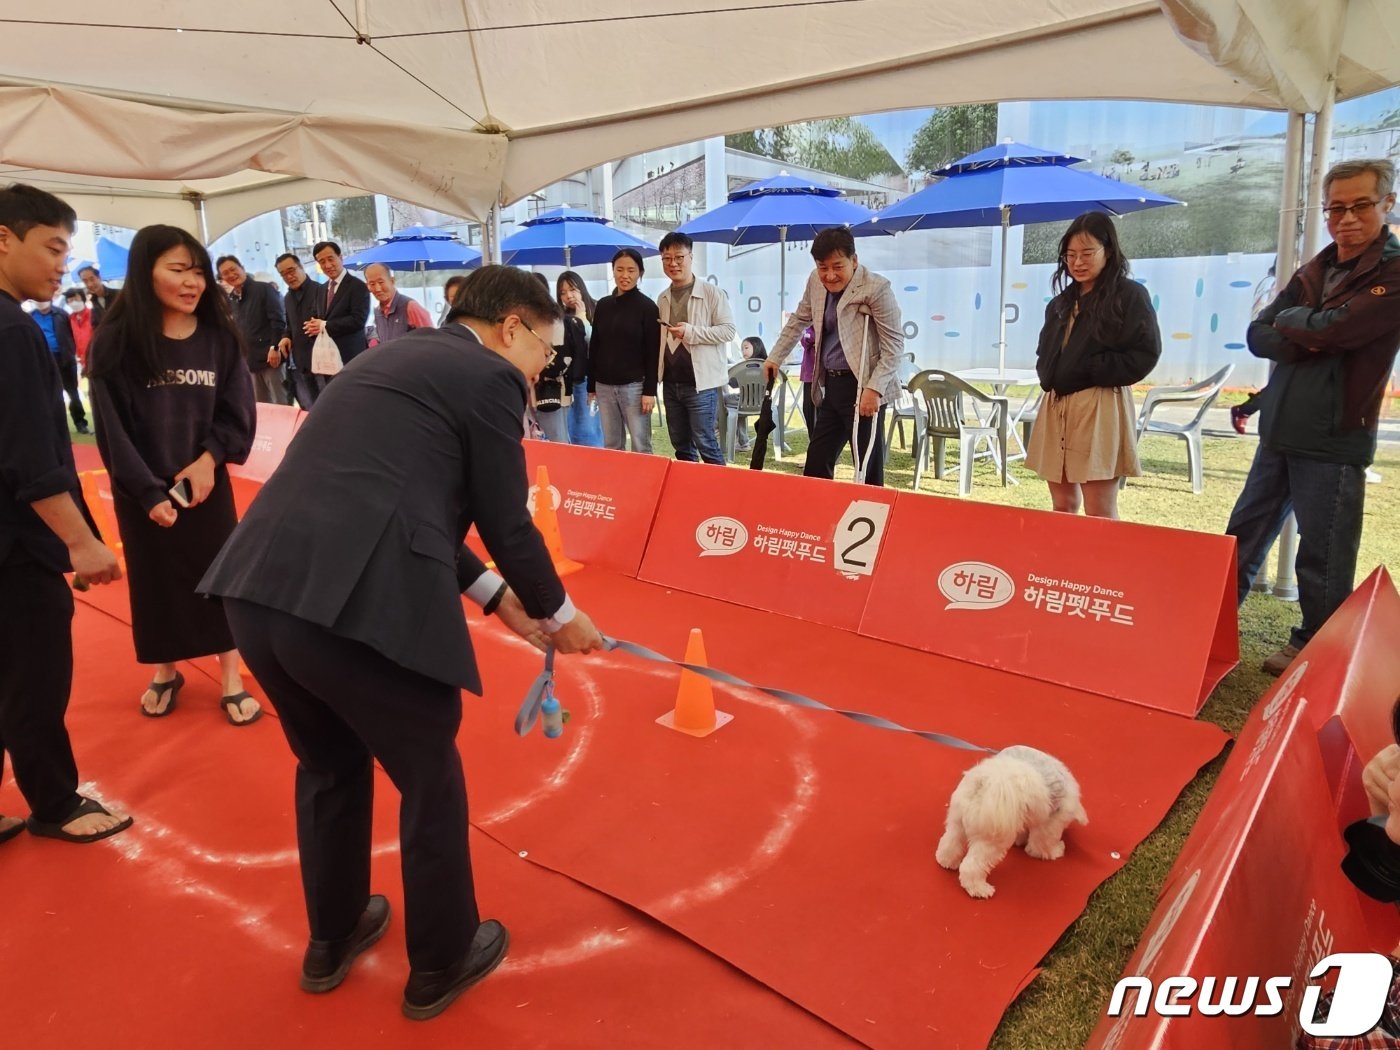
x=622, y=357
x=1100, y=337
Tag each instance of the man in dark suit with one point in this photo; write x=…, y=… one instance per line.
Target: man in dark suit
x=99, y=295
x=58, y=333
x=304, y=300
x=258, y=310
x=342, y=586
x=345, y=312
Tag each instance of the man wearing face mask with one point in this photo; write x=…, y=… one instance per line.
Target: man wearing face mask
x=342, y=585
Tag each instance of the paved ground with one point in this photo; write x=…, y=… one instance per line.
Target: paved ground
x=1218, y=423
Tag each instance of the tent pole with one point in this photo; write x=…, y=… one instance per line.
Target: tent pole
x=782, y=274
x=1285, y=580
x=568, y=257
x=1001, y=300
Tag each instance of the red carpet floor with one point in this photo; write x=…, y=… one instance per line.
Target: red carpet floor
x=772, y=885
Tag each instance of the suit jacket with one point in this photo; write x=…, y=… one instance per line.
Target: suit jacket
x=301, y=305
x=709, y=327
x=260, y=319
x=867, y=296
x=99, y=304
x=348, y=315
x=360, y=528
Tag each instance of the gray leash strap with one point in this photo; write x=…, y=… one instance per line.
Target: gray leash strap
x=544, y=686
x=540, y=690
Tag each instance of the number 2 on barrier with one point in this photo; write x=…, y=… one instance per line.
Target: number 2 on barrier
x=858, y=536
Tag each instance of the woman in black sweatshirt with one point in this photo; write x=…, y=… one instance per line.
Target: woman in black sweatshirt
x=1100, y=337
x=622, y=357
x=173, y=403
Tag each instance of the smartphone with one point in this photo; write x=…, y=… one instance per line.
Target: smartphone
x=182, y=493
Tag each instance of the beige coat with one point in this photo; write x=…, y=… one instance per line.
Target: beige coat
x=868, y=299
x=708, y=329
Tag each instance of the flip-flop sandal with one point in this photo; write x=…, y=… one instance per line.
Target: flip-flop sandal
x=55, y=831
x=172, y=687
x=10, y=833
x=233, y=705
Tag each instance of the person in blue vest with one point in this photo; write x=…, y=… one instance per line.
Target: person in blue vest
x=58, y=334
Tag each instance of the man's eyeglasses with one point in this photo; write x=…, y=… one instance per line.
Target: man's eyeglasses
x=549, y=347
x=1337, y=212
x=668, y=258
x=1074, y=257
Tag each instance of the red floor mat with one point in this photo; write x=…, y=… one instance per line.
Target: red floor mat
x=188, y=929
x=796, y=846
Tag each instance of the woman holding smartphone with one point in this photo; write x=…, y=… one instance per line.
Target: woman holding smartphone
x=173, y=402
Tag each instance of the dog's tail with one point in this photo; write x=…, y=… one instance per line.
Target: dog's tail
x=1008, y=804
x=1079, y=816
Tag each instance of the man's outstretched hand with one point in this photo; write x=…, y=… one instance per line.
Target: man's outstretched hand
x=578, y=635
x=514, y=616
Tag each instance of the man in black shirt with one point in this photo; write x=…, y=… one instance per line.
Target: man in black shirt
x=302, y=303
x=99, y=295
x=45, y=531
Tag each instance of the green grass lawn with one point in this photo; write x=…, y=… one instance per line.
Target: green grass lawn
x=1060, y=1009
x=1063, y=1005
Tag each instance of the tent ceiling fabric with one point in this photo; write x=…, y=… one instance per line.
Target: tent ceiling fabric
x=413, y=97
x=1288, y=49
x=240, y=163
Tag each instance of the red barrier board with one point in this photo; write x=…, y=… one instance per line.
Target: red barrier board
x=1134, y=612
x=803, y=547
x=1353, y=665
x=605, y=501
x=1258, y=892
x=276, y=425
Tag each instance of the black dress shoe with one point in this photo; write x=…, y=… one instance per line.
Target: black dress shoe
x=430, y=992
x=326, y=963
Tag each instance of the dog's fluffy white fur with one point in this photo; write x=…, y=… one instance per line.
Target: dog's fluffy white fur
x=1019, y=796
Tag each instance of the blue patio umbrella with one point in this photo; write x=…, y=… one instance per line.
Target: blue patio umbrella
x=418, y=248
x=568, y=237
x=777, y=210
x=111, y=262
x=1011, y=185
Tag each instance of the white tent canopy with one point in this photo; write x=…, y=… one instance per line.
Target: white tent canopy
x=455, y=104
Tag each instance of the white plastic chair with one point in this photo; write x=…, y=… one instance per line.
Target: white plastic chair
x=947, y=409
x=906, y=407
x=1203, y=393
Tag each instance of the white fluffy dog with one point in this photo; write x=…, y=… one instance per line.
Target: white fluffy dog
x=1019, y=796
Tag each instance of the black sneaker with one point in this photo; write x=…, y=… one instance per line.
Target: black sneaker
x=430, y=992
x=83, y=428
x=326, y=963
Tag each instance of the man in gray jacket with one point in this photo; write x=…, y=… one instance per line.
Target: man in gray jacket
x=697, y=326
x=859, y=340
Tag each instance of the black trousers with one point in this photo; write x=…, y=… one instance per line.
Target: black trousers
x=342, y=705
x=36, y=674
x=68, y=372
x=831, y=432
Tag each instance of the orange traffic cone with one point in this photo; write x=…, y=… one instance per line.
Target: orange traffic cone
x=546, y=519
x=695, y=699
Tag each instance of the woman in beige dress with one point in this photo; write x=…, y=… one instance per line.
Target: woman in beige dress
x=1100, y=337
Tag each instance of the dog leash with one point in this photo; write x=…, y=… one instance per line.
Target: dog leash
x=541, y=693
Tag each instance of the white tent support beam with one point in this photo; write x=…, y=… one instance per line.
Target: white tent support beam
x=1289, y=230
x=1286, y=579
